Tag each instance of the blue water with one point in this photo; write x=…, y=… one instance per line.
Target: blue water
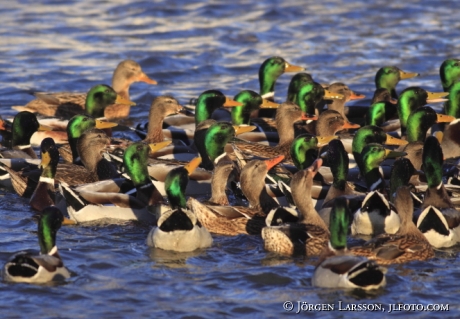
x=189, y=47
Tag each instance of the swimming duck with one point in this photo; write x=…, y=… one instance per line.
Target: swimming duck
x=287, y=114
x=388, y=77
x=95, y=201
x=305, y=147
x=46, y=267
x=25, y=124
x=338, y=104
x=421, y=120
x=371, y=134
x=179, y=229
x=310, y=234
x=126, y=73
x=234, y=220
x=412, y=98
x=449, y=73
x=296, y=83
x=209, y=101
x=401, y=175
x=337, y=268
x=76, y=126
x=406, y=245
x=438, y=220
x=224, y=171
x=251, y=102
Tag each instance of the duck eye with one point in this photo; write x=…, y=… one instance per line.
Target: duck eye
x=106, y=91
x=85, y=119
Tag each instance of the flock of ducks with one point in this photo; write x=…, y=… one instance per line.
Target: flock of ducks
x=313, y=173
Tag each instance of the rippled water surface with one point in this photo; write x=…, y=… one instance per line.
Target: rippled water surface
x=189, y=47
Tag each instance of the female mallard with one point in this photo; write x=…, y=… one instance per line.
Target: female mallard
x=63, y=104
x=309, y=236
x=337, y=268
x=388, y=77
x=406, y=245
x=46, y=267
x=96, y=201
x=179, y=229
x=234, y=220
x=338, y=104
x=438, y=220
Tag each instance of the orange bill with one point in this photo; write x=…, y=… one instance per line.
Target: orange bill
x=154, y=147
x=293, y=68
x=443, y=118
x=436, y=97
x=240, y=129
x=356, y=96
x=407, y=75
x=122, y=100
x=267, y=104
x=144, y=78
x=2, y=125
x=349, y=125
x=231, y=103
x=102, y=124
x=308, y=117
x=273, y=161
x=394, y=141
x=193, y=164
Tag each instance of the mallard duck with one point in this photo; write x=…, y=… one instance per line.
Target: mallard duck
x=449, y=73
x=209, y=101
x=297, y=81
x=178, y=229
x=25, y=124
x=412, y=98
x=388, y=77
x=126, y=73
x=46, y=267
x=76, y=126
x=421, y=120
x=251, y=102
x=94, y=201
x=287, y=114
x=224, y=171
x=452, y=106
x=338, y=104
x=337, y=268
x=382, y=109
x=305, y=147
x=438, y=220
x=310, y=234
x=234, y=220
x=406, y=245
x=450, y=142
x=371, y=134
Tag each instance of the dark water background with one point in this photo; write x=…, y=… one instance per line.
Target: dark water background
x=189, y=47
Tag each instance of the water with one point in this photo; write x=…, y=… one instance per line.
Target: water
x=189, y=47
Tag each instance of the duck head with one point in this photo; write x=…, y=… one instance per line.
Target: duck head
x=269, y=72
x=209, y=101
x=449, y=73
x=251, y=101
x=176, y=182
x=388, y=77
x=420, y=120
x=101, y=96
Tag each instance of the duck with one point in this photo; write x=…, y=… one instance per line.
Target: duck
x=382, y=109
x=338, y=104
x=48, y=265
x=25, y=124
x=452, y=106
x=251, y=101
x=305, y=147
x=178, y=229
x=308, y=236
x=126, y=73
x=371, y=134
x=388, y=77
x=437, y=219
x=235, y=220
x=112, y=199
x=297, y=82
x=412, y=98
x=449, y=72
x=450, y=142
x=287, y=114
x=421, y=120
x=337, y=268
x=406, y=245
x=209, y=101
x=76, y=126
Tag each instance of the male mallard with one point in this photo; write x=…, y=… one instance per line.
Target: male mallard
x=412, y=98
x=310, y=234
x=46, y=267
x=126, y=73
x=449, y=73
x=337, y=268
x=305, y=147
x=296, y=83
x=209, y=101
x=234, y=220
x=438, y=220
x=382, y=109
x=251, y=102
x=421, y=120
x=388, y=77
x=452, y=106
x=407, y=244
x=87, y=202
x=25, y=124
x=178, y=229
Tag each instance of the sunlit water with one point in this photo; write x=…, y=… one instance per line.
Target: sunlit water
x=189, y=47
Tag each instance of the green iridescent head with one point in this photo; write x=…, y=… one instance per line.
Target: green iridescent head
x=378, y=113
x=217, y=136
x=270, y=70
x=297, y=81
x=338, y=224
x=135, y=160
x=176, y=182
x=304, y=150
x=410, y=99
x=418, y=123
x=308, y=96
x=432, y=159
x=365, y=135
x=208, y=102
x=389, y=76
x=50, y=221
x=452, y=107
x=101, y=96
x=449, y=73
x=24, y=125
x=401, y=172
x=251, y=101
x=338, y=161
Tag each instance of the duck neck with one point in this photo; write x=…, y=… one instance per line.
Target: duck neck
x=155, y=131
x=452, y=106
x=46, y=236
x=285, y=128
x=374, y=180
